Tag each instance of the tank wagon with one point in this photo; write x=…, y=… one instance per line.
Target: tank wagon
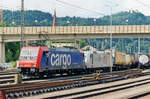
x=124, y=60
x=120, y=59
x=135, y=61
x=143, y=61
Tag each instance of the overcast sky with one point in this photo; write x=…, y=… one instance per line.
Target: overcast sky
x=82, y=8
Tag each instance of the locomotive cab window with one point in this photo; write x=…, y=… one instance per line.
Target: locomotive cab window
x=28, y=54
x=45, y=58
x=91, y=56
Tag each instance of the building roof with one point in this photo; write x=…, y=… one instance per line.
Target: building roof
x=88, y=47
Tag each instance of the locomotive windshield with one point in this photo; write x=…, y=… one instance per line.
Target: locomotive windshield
x=28, y=54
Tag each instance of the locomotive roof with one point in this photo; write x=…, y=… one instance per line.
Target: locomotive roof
x=64, y=49
x=45, y=48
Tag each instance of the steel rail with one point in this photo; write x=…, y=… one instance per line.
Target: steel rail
x=21, y=89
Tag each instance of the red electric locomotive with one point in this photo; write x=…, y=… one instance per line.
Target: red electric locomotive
x=30, y=59
x=40, y=61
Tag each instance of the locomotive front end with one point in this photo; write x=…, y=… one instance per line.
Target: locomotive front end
x=28, y=61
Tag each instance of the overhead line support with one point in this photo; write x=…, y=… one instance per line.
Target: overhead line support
x=22, y=24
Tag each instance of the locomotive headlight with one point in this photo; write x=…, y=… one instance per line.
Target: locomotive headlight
x=32, y=69
x=20, y=65
x=33, y=65
x=19, y=69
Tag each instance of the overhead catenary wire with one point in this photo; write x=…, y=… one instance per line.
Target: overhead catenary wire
x=139, y=43
x=143, y=4
x=76, y=6
x=62, y=3
x=139, y=39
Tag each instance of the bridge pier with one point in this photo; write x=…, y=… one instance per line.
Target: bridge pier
x=2, y=50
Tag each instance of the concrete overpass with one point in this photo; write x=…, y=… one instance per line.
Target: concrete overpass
x=12, y=34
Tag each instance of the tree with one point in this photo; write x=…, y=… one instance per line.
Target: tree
x=12, y=51
x=82, y=43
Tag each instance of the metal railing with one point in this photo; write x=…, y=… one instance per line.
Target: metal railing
x=77, y=29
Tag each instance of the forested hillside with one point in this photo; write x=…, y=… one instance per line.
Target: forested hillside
x=39, y=18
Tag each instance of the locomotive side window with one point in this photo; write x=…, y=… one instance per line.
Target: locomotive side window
x=45, y=57
x=28, y=54
x=91, y=57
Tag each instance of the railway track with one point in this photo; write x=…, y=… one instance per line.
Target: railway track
x=7, y=76
x=138, y=96
x=66, y=77
x=8, y=72
x=26, y=89
x=143, y=94
x=84, y=94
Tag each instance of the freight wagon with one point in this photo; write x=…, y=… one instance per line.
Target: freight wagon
x=120, y=59
x=143, y=61
x=123, y=59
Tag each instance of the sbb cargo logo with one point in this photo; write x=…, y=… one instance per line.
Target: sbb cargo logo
x=60, y=59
